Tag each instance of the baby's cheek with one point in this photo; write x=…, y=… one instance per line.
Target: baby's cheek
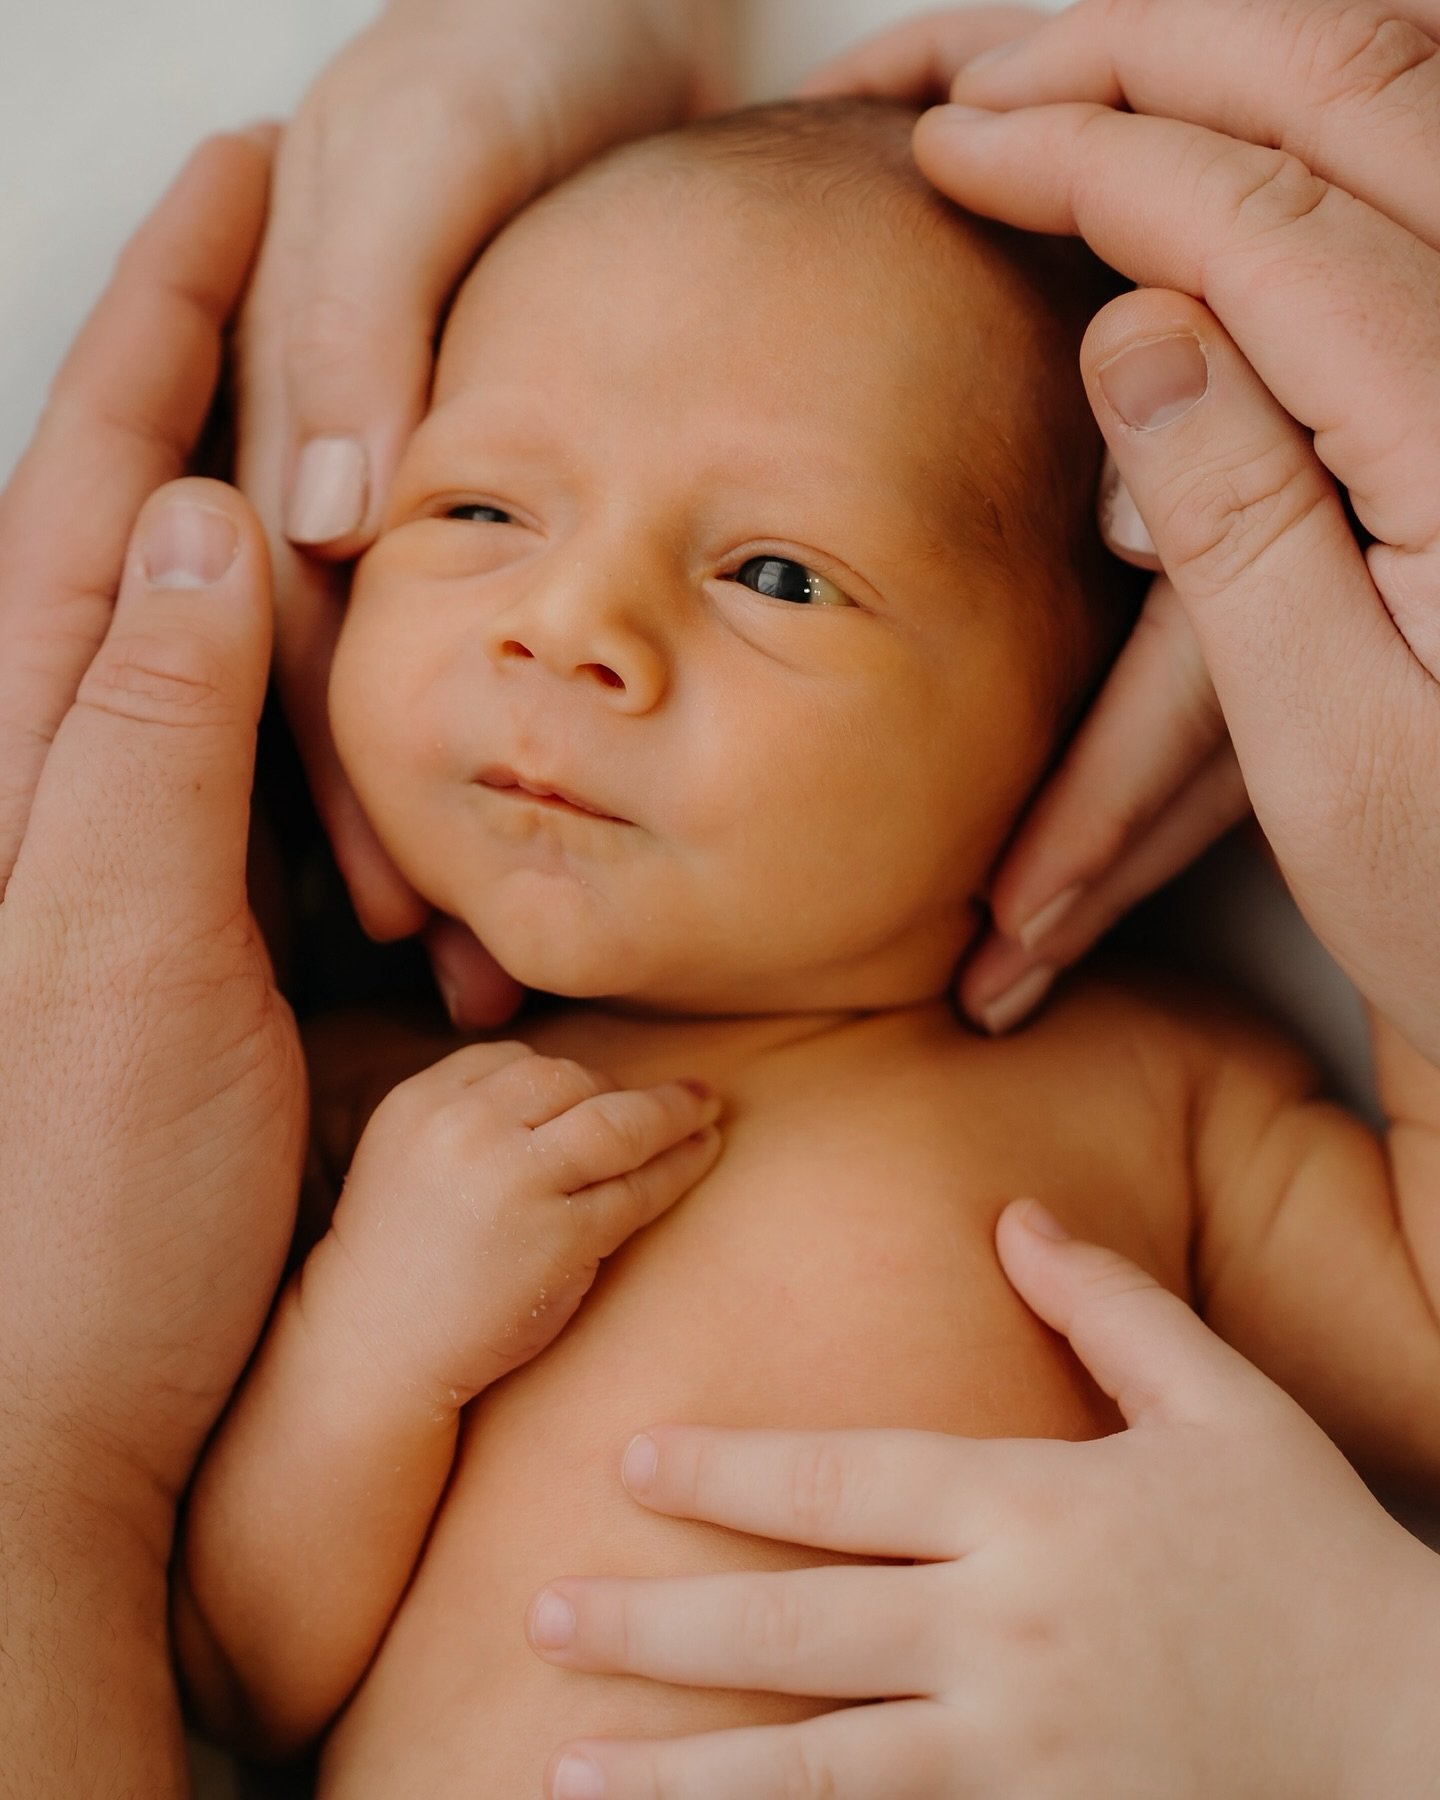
x=378, y=707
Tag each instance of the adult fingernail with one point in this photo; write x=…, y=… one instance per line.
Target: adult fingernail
x=1018, y=1001
x=1154, y=383
x=637, y=1471
x=1039, y=1219
x=953, y=114
x=188, y=546
x=1121, y=526
x=988, y=58
x=577, y=1778
x=330, y=491
x=1040, y=924
x=552, y=1621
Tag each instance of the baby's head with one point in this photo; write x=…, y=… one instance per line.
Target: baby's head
x=739, y=584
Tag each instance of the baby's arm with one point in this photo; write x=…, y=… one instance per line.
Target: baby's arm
x=1318, y=1244
x=482, y=1196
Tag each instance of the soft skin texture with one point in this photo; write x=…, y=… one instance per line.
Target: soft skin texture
x=572, y=571
x=1263, y=177
x=152, y=1095
x=476, y=105
x=1356, y=111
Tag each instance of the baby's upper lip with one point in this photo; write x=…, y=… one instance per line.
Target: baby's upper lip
x=498, y=775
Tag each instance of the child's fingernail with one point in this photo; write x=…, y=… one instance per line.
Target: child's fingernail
x=1043, y=1223
x=1018, y=1001
x=1040, y=924
x=329, y=492
x=1154, y=383
x=552, y=1621
x=577, y=1778
x=637, y=1470
x=188, y=546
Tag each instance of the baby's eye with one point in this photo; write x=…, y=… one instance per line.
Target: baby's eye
x=779, y=578
x=475, y=511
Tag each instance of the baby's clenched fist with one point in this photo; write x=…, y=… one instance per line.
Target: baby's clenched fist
x=482, y=1198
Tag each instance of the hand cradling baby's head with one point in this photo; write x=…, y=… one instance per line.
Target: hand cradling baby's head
x=738, y=584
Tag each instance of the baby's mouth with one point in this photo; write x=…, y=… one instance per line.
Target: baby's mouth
x=543, y=793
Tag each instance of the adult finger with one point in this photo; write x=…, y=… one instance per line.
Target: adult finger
x=917, y=60
x=1308, y=280
x=477, y=992
x=848, y=1491
x=122, y=418
x=1005, y=981
x=904, y=1750
x=1351, y=87
x=138, y=830
x=1155, y=723
x=840, y=1634
x=1155, y=1358
x=1312, y=668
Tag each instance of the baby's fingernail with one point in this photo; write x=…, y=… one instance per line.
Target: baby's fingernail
x=330, y=491
x=1018, y=1001
x=577, y=1778
x=1040, y=924
x=552, y=1621
x=1039, y=1219
x=188, y=546
x=637, y=1471
x=1152, y=384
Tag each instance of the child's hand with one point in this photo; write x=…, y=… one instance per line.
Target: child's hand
x=482, y=1198
x=1209, y=1603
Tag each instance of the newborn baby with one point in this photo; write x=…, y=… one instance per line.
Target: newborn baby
x=732, y=598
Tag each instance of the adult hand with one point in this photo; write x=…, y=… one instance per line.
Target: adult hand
x=410, y=151
x=1270, y=181
x=1207, y=1603
x=152, y=1093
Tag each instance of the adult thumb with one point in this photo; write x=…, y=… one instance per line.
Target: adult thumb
x=141, y=811
x=1155, y=1358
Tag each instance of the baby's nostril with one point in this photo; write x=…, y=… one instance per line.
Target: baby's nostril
x=606, y=677
x=513, y=647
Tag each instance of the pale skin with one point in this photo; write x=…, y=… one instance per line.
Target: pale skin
x=1329, y=82
x=560, y=568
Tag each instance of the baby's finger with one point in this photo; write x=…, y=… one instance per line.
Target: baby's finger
x=853, y=1633
x=1352, y=87
x=617, y=1133
x=917, y=60
x=862, y=1493
x=904, y=1750
x=611, y=1211
x=1004, y=981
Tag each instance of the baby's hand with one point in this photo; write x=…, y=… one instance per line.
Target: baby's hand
x=482, y=1198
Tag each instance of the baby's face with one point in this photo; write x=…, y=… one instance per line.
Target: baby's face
x=682, y=671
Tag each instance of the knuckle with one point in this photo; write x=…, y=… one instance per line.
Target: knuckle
x=772, y=1626
x=615, y=1130
x=325, y=333
x=819, y=1488
x=801, y=1777
x=1268, y=191
x=1362, y=53
x=157, y=678
x=1228, y=517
